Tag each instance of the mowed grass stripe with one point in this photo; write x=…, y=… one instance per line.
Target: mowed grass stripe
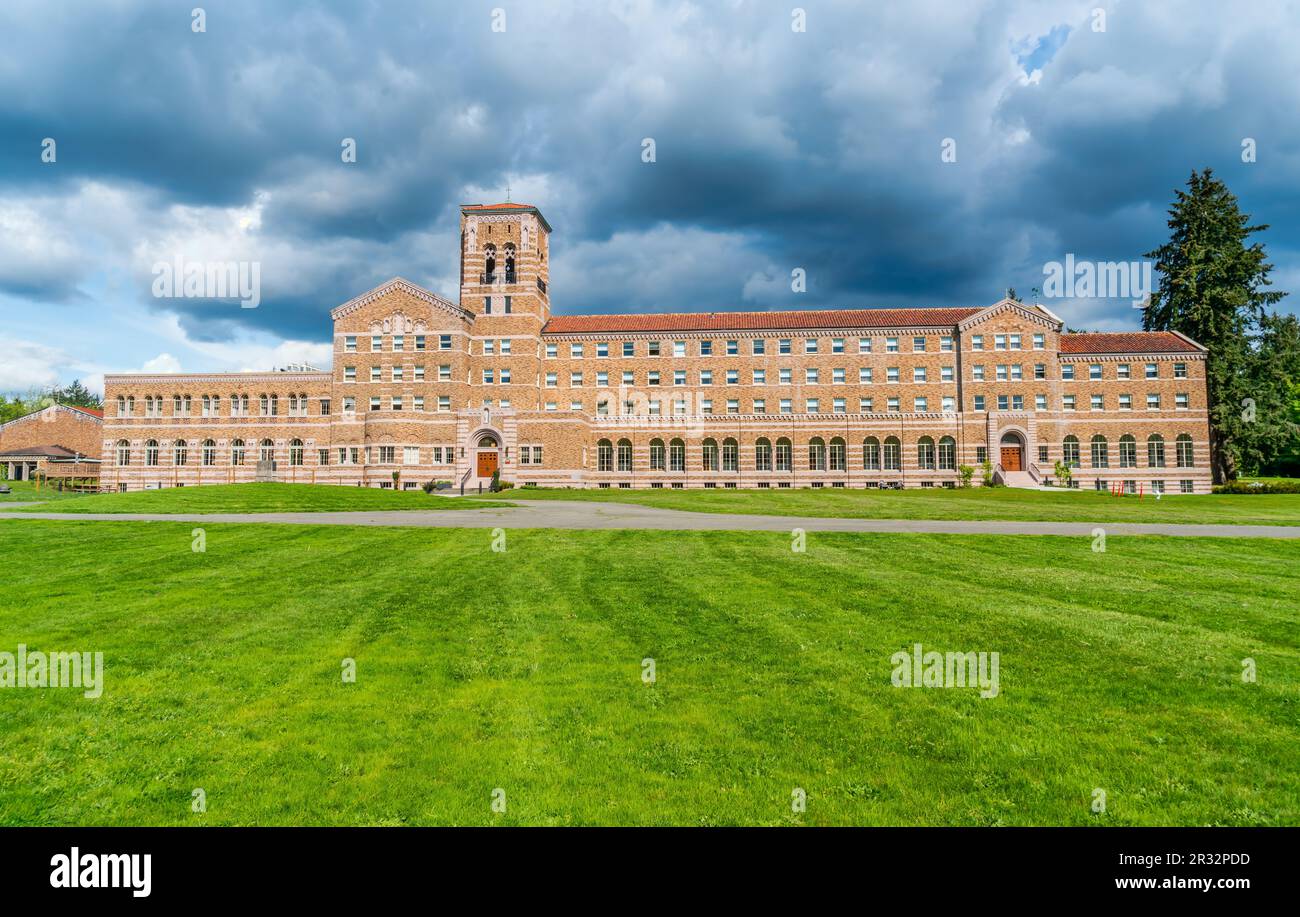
x=977, y=503
x=522, y=670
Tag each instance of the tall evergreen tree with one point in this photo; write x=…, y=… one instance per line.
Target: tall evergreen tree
x=1213, y=288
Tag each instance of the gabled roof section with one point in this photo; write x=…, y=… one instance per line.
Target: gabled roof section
x=53, y=452
x=1130, y=342
x=786, y=320
x=94, y=414
x=405, y=286
x=1035, y=312
x=507, y=207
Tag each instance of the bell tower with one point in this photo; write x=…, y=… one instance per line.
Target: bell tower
x=504, y=255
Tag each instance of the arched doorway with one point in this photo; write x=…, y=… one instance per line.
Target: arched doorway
x=487, y=455
x=1012, y=455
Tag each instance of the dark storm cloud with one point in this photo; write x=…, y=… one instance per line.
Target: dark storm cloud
x=775, y=150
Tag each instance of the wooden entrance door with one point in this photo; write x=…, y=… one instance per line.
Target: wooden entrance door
x=1011, y=458
x=487, y=463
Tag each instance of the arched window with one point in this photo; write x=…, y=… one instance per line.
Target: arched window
x=1100, y=452
x=656, y=455
x=925, y=453
x=151, y=453
x=490, y=260
x=730, y=455
x=295, y=452
x=180, y=454
x=604, y=455
x=1070, y=451
x=487, y=442
x=763, y=454
x=1183, y=450
x=677, y=455
x=237, y=452
x=1156, y=451
x=871, y=454
x=1128, y=451
x=509, y=252
x=817, y=454
x=624, y=455
x=893, y=454
x=709, y=452
x=784, y=454
x=266, y=451
x=839, y=454
x=123, y=453
x=947, y=454
x=209, y=454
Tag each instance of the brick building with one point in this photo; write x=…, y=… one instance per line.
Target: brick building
x=423, y=388
x=58, y=441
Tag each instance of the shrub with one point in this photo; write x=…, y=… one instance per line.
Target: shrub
x=428, y=487
x=965, y=472
x=1063, y=473
x=987, y=469
x=1258, y=487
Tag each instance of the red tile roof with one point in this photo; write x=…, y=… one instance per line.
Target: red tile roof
x=98, y=412
x=508, y=205
x=1127, y=342
x=758, y=321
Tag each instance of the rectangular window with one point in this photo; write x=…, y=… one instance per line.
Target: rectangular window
x=419, y=342
x=1067, y=402
x=1153, y=370
x=679, y=348
x=706, y=348
x=949, y=404
x=399, y=343
x=349, y=374
x=1180, y=370
x=1180, y=401
x=444, y=402
x=629, y=348
x=892, y=405
x=945, y=343
x=679, y=377
x=864, y=345
x=444, y=372
x=410, y=455
x=760, y=377
x=1067, y=371
x=1040, y=402
x=1153, y=401
x=575, y=351
x=812, y=406
x=1040, y=342
x=1097, y=403
x=760, y=346
x=999, y=342
x=918, y=345
x=865, y=405
x=376, y=343
x=552, y=351
x=864, y=374
x=1094, y=370
x=783, y=346
x=891, y=345
x=733, y=348
x=810, y=345
x=350, y=343
x=444, y=342
x=837, y=345
x=977, y=342
x=652, y=348
x=918, y=373
x=920, y=405
x=977, y=372
x=602, y=349
x=946, y=373
x=575, y=380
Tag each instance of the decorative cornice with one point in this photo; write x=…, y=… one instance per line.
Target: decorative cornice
x=1013, y=306
x=123, y=378
x=399, y=283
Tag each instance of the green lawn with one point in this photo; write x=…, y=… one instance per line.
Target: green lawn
x=26, y=490
x=521, y=670
x=939, y=503
x=255, y=498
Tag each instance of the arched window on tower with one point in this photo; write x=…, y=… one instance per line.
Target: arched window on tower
x=509, y=253
x=489, y=262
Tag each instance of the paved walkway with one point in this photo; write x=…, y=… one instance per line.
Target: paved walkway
x=579, y=514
